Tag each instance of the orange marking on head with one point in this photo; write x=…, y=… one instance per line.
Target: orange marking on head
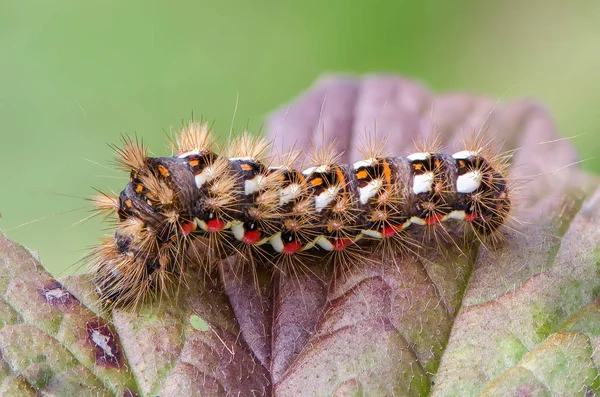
x=246, y=167
x=437, y=163
x=194, y=163
x=139, y=188
x=163, y=170
x=128, y=203
x=418, y=167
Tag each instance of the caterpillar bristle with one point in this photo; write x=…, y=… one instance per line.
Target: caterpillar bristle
x=249, y=147
x=132, y=155
x=286, y=159
x=127, y=278
x=323, y=156
x=372, y=146
x=194, y=137
x=199, y=207
x=429, y=143
x=105, y=204
x=295, y=266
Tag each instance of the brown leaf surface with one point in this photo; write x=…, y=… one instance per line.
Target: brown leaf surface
x=456, y=319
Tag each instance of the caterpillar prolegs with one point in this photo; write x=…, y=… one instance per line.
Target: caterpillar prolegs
x=239, y=203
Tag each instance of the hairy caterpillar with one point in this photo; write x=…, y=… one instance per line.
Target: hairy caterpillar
x=238, y=203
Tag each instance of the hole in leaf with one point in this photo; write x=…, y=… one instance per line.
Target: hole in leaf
x=198, y=323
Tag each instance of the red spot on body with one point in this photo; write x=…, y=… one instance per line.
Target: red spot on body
x=188, y=227
x=215, y=225
x=292, y=248
x=433, y=219
x=389, y=231
x=341, y=244
x=252, y=237
x=470, y=217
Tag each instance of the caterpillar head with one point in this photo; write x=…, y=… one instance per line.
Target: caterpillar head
x=146, y=255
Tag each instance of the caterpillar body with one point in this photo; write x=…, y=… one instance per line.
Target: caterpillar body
x=239, y=203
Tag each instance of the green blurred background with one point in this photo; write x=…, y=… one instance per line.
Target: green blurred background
x=76, y=74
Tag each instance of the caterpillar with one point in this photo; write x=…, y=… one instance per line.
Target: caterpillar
x=202, y=205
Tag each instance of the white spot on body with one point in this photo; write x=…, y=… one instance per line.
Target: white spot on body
x=370, y=190
x=322, y=242
x=277, y=242
x=201, y=224
x=469, y=182
x=237, y=228
x=465, y=154
x=417, y=221
x=364, y=163
x=319, y=168
x=186, y=154
x=309, y=245
x=372, y=233
x=203, y=177
x=323, y=199
x=460, y=215
x=241, y=159
x=419, y=156
x=422, y=183
x=289, y=193
x=252, y=185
